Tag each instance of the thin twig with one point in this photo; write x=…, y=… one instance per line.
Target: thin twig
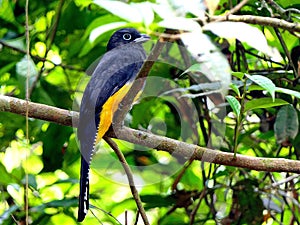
x=288, y=179
x=181, y=173
x=194, y=212
x=286, y=51
x=264, y=58
x=55, y=24
x=237, y=7
x=99, y=221
x=129, y=174
x=137, y=218
x=26, y=199
x=70, y=67
x=50, y=42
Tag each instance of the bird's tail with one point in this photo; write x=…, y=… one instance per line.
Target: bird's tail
x=84, y=190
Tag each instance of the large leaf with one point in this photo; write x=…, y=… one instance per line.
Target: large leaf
x=208, y=56
x=288, y=91
x=264, y=82
x=104, y=28
x=145, y=8
x=169, y=9
x=262, y=103
x=286, y=125
x=244, y=33
x=121, y=9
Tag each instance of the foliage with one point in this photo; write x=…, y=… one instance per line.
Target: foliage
x=183, y=99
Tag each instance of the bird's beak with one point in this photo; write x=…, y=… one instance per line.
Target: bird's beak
x=142, y=38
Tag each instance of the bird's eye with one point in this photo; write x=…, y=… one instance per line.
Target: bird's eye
x=127, y=36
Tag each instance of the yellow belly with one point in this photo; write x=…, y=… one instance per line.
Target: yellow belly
x=109, y=109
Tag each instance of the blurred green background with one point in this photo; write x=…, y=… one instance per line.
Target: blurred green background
x=67, y=37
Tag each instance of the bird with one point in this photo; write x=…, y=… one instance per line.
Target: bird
x=109, y=84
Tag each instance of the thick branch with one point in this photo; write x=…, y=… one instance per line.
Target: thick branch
x=64, y=117
x=205, y=154
x=38, y=111
x=260, y=20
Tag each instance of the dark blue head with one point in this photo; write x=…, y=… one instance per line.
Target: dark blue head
x=125, y=36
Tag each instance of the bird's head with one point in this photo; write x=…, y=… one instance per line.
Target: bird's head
x=125, y=36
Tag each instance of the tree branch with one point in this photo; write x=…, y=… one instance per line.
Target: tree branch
x=129, y=174
x=138, y=84
x=39, y=111
x=66, y=117
x=259, y=20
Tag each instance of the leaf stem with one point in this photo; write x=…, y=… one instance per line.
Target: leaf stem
x=239, y=119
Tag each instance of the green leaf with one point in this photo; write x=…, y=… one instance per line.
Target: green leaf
x=193, y=68
x=5, y=176
x=65, y=203
x=153, y=201
x=145, y=8
x=7, y=68
x=122, y=10
x=286, y=125
x=288, y=91
x=209, y=56
x=22, y=67
x=8, y=213
x=104, y=28
x=239, y=75
x=254, y=87
x=234, y=104
x=262, y=103
x=244, y=33
x=6, y=11
x=264, y=82
x=288, y=3
x=31, y=181
x=235, y=88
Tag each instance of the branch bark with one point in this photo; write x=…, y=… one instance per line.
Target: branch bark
x=69, y=118
x=259, y=20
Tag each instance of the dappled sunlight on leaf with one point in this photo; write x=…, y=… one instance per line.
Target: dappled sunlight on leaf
x=102, y=29
x=244, y=33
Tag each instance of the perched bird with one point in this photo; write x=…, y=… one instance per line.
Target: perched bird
x=108, y=85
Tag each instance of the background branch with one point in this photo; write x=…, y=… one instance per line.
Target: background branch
x=128, y=172
x=259, y=20
x=138, y=84
x=69, y=118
